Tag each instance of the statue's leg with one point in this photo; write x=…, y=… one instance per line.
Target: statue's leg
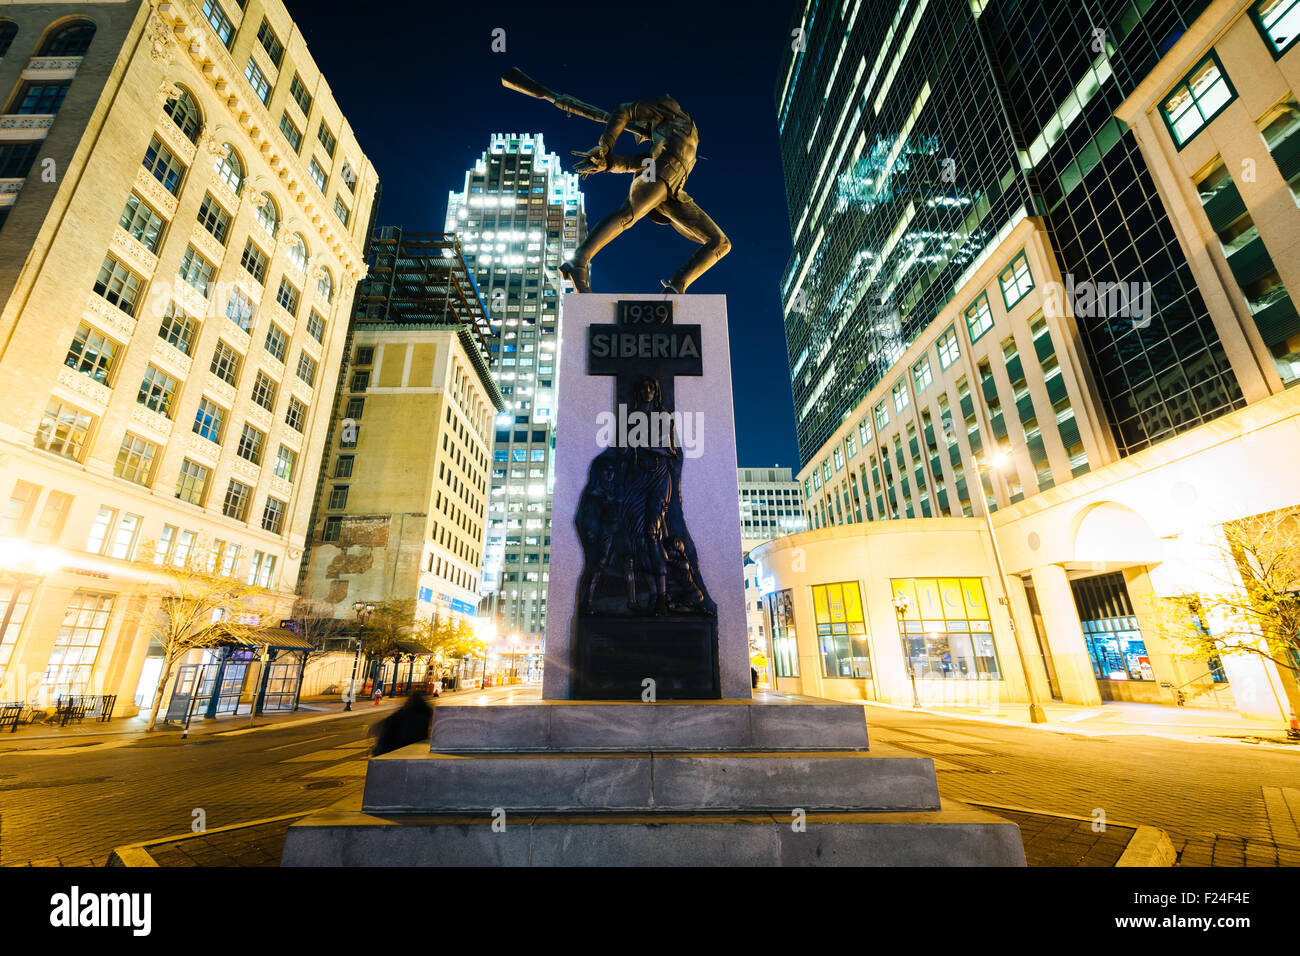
x=694, y=223
x=641, y=198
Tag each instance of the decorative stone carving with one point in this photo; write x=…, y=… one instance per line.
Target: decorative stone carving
x=245, y=469
x=171, y=356
x=137, y=256
x=207, y=244
x=152, y=421
x=259, y=416
x=11, y=187
x=27, y=122
x=202, y=449
x=168, y=90
x=280, y=486
x=177, y=141
x=109, y=317
x=222, y=390
x=153, y=191
x=85, y=386
x=159, y=35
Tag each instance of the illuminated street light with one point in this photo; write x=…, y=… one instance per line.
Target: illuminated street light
x=903, y=604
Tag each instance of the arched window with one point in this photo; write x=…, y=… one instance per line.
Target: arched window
x=230, y=170
x=298, y=253
x=268, y=217
x=8, y=30
x=185, y=114
x=71, y=39
x=325, y=285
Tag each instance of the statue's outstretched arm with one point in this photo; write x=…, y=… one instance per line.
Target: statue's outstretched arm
x=626, y=164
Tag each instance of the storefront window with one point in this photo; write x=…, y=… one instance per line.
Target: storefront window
x=947, y=632
x=1110, y=629
x=780, y=615
x=841, y=633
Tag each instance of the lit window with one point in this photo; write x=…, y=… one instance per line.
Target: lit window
x=298, y=253
x=1016, y=281
x=979, y=317
x=63, y=430
x=135, y=460
x=207, y=420
x=286, y=462
x=901, y=397
x=219, y=22
x=268, y=217
x=1196, y=100
x=291, y=132
x=325, y=286
x=142, y=223
x=1278, y=21
x=317, y=174
x=157, y=389
x=949, y=349
x=196, y=270
x=239, y=309
x=230, y=170
x=921, y=376
x=235, y=505
x=192, y=483
x=882, y=415
x=91, y=354
x=117, y=284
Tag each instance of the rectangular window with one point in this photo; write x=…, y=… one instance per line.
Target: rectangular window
x=841, y=633
x=317, y=174
x=882, y=415
x=265, y=391
x=162, y=548
x=214, y=219
x=864, y=432
x=901, y=397
x=22, y=504
x=306, y=368
x=270, y=42
x=350, y=433
x=360, y=380
x=250, y=445
x=276, y=340
x=219, y=22
x=85, y=621
x=288, y=297
x=1198, y=98
x=196, y=270
x=338, y=497
x=341, y=211
x=1279, y=22
x=949, y=349
x=41, y=98
x=979, y=317
x=17, y=159
x=135, y=460
x=177, y=330
x=291, y=132
x=254, y=261
x=273, y=515
x=343, y=466
x=91, y=354
x=124, y=541
x=261, y=571
x=98, y=538
x=296, y=415
x=157, y=390
x=236, y=503
x=226, y=363
x=326, y=139
x=350, y=180
x=208, y=419
x=330, y=532
x=118, y=285
x=315, y=326
x=1016, y=281
x=239, y=309
x=63, y=430
x=286, y=463
x=299, y=92
x=192, y=484
x=921, y=375
x=257, y=80
x=143, y=224
x=163, y=166
x=947, y=633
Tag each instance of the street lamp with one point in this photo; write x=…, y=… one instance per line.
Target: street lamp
x=363, y=612
x=903, y=604
x=514, y=658
x=994, y=466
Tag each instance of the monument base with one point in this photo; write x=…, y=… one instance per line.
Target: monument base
x=779, y=781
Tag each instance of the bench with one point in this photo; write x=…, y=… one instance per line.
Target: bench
x=68, y=709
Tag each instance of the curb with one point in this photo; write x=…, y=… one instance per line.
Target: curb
x=1150, y=846
x=137, y=854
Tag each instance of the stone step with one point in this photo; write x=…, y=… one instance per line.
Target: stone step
x=955, y=835
x=414, y=780
x=778, y=723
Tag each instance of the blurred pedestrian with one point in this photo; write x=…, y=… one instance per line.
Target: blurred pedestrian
x=407, y=725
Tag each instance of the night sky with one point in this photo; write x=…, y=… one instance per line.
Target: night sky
x=421, y=87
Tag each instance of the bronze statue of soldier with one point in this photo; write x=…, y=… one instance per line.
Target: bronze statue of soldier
x=658, y=188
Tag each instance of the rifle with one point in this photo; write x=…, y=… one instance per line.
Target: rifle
x=519, y=81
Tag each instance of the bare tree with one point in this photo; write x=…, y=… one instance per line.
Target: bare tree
x=316, y=623
x=195, y=595
x=1253, y=603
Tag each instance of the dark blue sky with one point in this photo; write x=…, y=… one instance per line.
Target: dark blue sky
x=421, y=87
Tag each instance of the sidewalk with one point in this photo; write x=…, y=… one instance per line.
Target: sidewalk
x=124, y=730
x=1116, y=718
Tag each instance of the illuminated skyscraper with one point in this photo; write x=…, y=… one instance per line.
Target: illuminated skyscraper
x=520, y=215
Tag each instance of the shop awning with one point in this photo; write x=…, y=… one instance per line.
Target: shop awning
x=275, y=638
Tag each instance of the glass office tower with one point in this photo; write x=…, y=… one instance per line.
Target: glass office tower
x=916, y=134
x=519, y=216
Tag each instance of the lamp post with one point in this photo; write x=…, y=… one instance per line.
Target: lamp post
x=1036, y=715
x=903, y=604
x=363, y=612
x=514, y=658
